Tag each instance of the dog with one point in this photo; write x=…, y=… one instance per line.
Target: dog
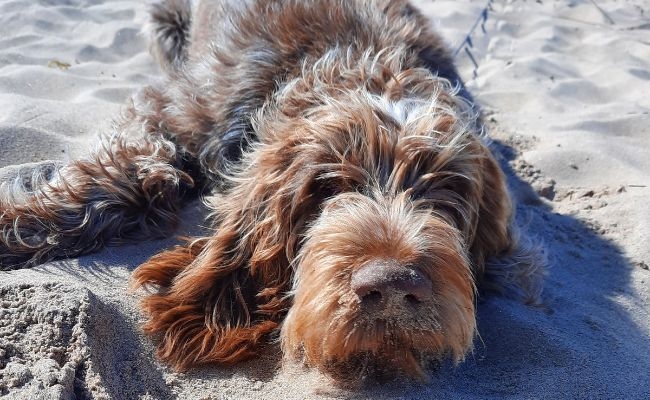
x=356, y=204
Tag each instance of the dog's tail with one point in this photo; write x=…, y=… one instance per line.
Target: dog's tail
x=169, y=32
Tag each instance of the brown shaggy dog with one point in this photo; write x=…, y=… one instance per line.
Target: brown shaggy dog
x=356, y=204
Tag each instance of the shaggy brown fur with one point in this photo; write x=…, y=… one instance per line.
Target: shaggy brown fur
x=356, y=205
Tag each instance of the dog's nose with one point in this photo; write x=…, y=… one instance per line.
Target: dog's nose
x=385, y=282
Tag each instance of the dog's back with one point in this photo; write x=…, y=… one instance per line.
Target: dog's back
x=185, y=29
x=241, y=52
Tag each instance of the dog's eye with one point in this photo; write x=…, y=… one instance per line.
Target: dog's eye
x=444, y=202
x=418, y=194
x=326, y=188
x=430, y=192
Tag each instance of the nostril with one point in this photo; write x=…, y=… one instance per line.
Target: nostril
x=372, y=297
x=412, y=299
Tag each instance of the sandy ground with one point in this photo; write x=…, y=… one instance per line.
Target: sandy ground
x=564, y=86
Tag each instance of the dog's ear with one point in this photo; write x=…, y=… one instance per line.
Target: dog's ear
x=220, y=296
x=506, y=261
x=213, y=305
x=494, y=216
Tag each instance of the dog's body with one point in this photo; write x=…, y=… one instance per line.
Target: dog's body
x=355, y=204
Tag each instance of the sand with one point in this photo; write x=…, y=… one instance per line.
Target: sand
x=564, y=87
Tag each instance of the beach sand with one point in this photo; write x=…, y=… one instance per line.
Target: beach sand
x=565, y=89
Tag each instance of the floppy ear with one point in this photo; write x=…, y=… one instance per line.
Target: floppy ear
x=494, y=209
x=215, y=302
x=219, y=296
x=507, y=262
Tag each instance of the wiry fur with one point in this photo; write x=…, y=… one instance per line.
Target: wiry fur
x=170, y=32
x=332, y=135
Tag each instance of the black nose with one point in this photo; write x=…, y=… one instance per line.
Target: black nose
x=387, y=282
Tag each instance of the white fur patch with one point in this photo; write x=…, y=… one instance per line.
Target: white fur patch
x=402, y=110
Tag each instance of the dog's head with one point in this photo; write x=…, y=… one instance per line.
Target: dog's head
x=390, y=203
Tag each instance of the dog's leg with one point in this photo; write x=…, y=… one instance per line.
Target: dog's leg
x=129, y=189
x=169, y=29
